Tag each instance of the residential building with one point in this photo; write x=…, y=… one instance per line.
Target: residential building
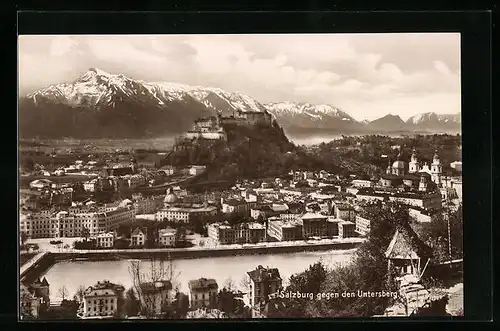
x=221, y=233
x=203, y=293
x=29, y=303
x=242, y=233
x=249, y=195
x=362, y=225
x=147, y=205
x=426, y=200
x=166, y=237
x=184, y=214
x=457, y=165
x=344, y=212
x=40, y=184
x=34, y=297
x=314, y=225
x=346, y=229
x=263, y=211
x=169, y=170
x=407, y=253
x=155, y=296
x=196, y=170
x=138, y=237
x=421, y=215
x=333, y=226
x=361, y=183
x=285, y=230
x=290, y=216
x=239, y=207
x=102, y=300
x=48, y=223
x=263, y=283
x=105, y=240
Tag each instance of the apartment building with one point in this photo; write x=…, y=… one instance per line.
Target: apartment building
x=101, y=300
x=203, y=293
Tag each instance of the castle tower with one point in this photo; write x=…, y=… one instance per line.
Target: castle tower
x=422, y=186
x=218, y=116
x=413, y=165
x=436, y=169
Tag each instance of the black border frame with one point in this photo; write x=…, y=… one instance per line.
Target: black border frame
x=475, y=29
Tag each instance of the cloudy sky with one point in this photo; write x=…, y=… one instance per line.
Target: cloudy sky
x=366, y=75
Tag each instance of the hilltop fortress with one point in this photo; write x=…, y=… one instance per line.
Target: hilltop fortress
x=211, y=128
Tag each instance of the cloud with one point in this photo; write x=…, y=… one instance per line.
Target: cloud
x=365, y=74
x=62, y=45
x=121, y=51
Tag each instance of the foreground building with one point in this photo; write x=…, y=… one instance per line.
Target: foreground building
x=34, y=298
x=102, y=300
x=155, y=296
x=263, y=283
x=203, y=293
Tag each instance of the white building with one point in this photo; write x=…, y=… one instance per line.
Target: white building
x=196, y=170
x=361, y=183
x=138, y=238
x=101, y=300
x=362, y=225
x=105, y=240
x=166, y=237
x=41, y=184
x=184, y=214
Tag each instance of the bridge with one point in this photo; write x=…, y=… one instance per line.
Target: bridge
x=32, y=263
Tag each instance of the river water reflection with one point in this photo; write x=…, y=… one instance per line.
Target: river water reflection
x=74, y=274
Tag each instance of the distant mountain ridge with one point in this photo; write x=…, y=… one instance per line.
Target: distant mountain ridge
x=99, y=104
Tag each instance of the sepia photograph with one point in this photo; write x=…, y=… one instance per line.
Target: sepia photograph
x=239, y=176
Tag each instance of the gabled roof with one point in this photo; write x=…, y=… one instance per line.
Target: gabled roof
x=261, y=274
x=137, y=231
x=45, y=282
x=202, y=284
x=406, y=244
x=153, y=287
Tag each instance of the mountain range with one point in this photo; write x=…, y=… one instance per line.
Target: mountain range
x=99, y=104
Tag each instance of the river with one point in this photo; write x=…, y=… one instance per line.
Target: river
x=73, y=274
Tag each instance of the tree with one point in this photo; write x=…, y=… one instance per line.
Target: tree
x=436, y=234
x=308, y=281
x=80, y=293
x=245, y=283
x=132, y=304
x=63, y=292
x=85, y=233
x=149, y=295
x=229, y=284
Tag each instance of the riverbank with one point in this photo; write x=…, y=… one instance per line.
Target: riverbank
x=51, y=258
x=199, y=252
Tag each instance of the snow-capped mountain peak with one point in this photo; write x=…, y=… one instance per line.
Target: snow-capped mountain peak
x=433, y=118
x=97, y=88
x=306, y=109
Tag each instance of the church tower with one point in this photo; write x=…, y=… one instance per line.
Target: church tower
x=388, y=171
x=436, y=169
x=422, y=186
x=413, y=165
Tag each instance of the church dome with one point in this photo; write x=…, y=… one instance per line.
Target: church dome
x=170, y=197
x=398, y=165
